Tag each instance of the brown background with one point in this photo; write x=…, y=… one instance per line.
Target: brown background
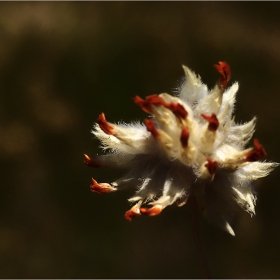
x=61, y=65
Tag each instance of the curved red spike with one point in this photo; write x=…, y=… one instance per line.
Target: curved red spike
x=133, y=212
x=152, y=128
x=153, y=211
x=178, y=110
x=255, y=154
x=101, y=187
x=156, y=100
x=150, y=100
x=213, y=121
x=142, y=103
x=94, y=163
x=104, y=125
x=225, y=73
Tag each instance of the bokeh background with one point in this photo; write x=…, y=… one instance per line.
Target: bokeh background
x=61, y=65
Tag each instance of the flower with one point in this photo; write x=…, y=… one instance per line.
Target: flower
x=190, y=146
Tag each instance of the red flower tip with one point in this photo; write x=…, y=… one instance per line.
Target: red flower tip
x=255, y=154
x=153, y=211
x=142, y=103
x=91, y=162
x=178, y=110
x=184, y=137
x=152, y=128
x=101, y=187
x=211, y=166
x=150, y=100
x=213, y=121
x=104, y=125
x=156, y=100
x=224, y=69
x=131, y=213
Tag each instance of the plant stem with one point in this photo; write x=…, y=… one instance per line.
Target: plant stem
x=197, y=239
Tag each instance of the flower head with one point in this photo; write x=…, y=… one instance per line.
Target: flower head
x=190, y=146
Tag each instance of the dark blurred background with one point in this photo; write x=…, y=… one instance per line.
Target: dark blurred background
x=61, y=65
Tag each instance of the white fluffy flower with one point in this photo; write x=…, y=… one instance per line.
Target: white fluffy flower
x=190, y=146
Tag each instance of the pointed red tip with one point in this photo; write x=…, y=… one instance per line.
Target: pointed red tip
x=104, y=125
x=153, y=211
x=152, y=128
x=94, y=163
x=101, y=187
x=178, y=110
x=142, y=104
x=156, y=100
x=211, y=166
x=225, y=73
x=184, y=137
x=213, y=121
x=131, y=213
x=150, y=100
x=255, y=154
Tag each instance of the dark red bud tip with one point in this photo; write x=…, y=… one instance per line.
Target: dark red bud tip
x=184, y=137
x=153, y=211
x=225, y=73
x=152, y=128
x=131, y=213
x=213, y=121
x=101, y=187
x=211, y=166
x=156, y=100
x=178, y=110
x=94, y=163
x=150, y=100
x=142, y=104
x=104, y=125
x=257, y=153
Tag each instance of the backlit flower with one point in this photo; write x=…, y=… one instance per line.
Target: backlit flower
x=189, y=146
